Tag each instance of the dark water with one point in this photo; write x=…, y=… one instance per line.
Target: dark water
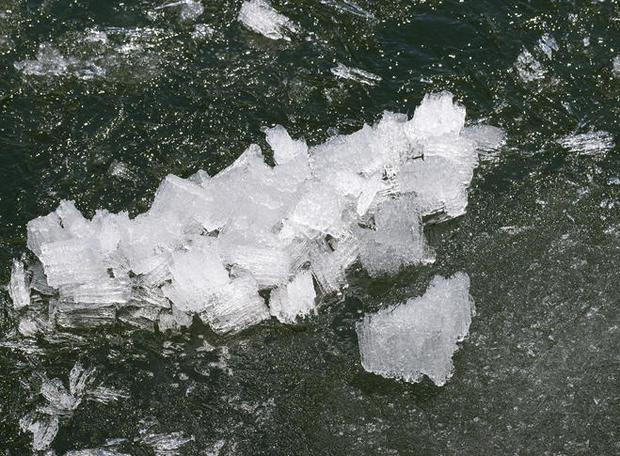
x=540, y=241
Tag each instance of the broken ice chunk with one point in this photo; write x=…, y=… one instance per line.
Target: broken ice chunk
x=437, y=115
x=184, y=205
x=18, y=287
x=284, y=147
x=528, y=67
x=196, y=275
x=418, y=337
x=548, y=45
x=319, y=210
x=236, y=306
x=43, y=430
x=329, y=262
x=397, y=240
x=295, y=299
x=208, y=245
x=260, y=17
x=60, y=400
x=355, y=74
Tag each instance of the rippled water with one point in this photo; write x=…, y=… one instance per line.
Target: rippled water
x=101, y=100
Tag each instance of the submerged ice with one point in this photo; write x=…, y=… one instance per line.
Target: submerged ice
x=420, y=336
x=256, y=241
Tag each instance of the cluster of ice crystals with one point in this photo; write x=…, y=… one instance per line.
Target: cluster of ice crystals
x=256, y=241
x=61, y=403
x=260, y=17
x=418, y=337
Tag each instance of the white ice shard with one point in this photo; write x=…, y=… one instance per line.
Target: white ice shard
x=397, y=240
x=95, y=452
x=285, y=149
x=260, y=17
x=215, y=247
x=591, y=143
x=419, y=337
x=43, y=430
x=547, y=45
x=355, y=74
x=295, y=299
x=437, y=116
x=18, y=286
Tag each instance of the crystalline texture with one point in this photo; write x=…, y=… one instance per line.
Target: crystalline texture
x=18, y=287
x=215, y=247
x=260, y=17
x=294, y=299
x=418, y=337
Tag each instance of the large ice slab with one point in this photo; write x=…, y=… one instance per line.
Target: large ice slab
x=255, y=241
x=420, y=336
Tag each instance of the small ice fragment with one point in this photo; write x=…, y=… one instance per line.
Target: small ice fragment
x=348, y=6
x=79, y=379
x=419, y=337
x=18, y=286
x=43, y=430
x=548, y=45
x=528, y=67
x=616, y=66
x=260, y=17
x=60, y=400
x=96, y=36
x=284, y=147
x=106, y=395
x=295, y=299
x=591, y=143
x=190, y=9
x=120, y=170
x=355, y=74
x=166, y=444
x=437, y=115
x=202, y=31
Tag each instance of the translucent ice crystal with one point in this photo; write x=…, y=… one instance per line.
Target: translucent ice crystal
x=260, y=17
x=420, y=336
x=18, y=287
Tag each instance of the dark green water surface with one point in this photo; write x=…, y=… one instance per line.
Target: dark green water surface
x=538, y=374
